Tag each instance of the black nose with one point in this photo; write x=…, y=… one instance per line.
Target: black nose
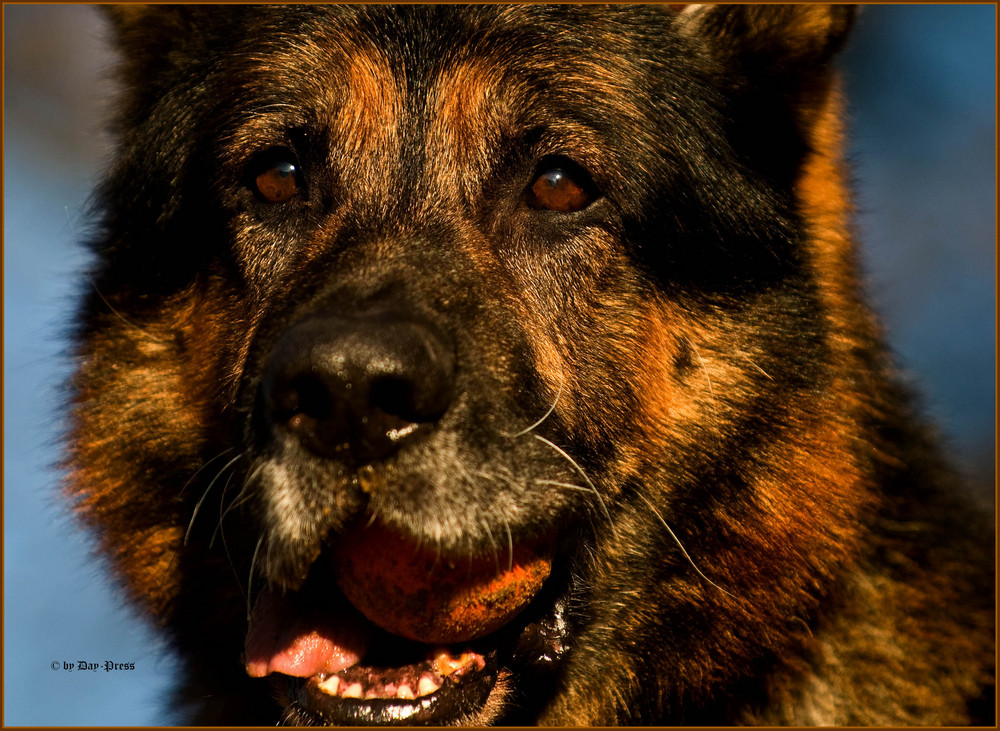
x=357, y=388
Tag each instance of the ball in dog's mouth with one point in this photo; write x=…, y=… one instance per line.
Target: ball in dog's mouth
x=424, y=596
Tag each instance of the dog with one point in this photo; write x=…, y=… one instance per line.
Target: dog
x=510, y=365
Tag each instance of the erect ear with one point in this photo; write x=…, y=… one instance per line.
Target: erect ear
x=150, y=37
x=144, y=30
x=773, y=60
x=781, y=41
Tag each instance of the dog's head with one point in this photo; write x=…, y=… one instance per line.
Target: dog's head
x=460, y=313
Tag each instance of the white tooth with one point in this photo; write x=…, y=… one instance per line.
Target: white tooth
x=330, y=685
x=426, y=686
x=404, y=691
x=354, y=690
x=444, y=664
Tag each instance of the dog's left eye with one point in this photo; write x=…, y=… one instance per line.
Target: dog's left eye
x=276, y=177
x=562, y=187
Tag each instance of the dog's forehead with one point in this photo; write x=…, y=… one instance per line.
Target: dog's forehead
x=450, y=61
x=401, y=87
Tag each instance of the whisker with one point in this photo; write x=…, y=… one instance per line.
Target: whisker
x=485, y=523
x=197, y=472
x=750, y=361
x=248, y=482
x=225, y=545
x=545, y=416
x=681, y=546
x=253, y=562
x=493, y=543
x=563, y=484
x=208, y=489
x=500, y=476
x=711, y=391
x=568, y=486
x=268, y=549
x=142, y=331
x=586, y=479
x=222, y=514
x=704, y=368
x=510, y=545
x=241, y=497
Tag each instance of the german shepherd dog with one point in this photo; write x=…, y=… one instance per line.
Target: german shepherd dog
x=509, y=364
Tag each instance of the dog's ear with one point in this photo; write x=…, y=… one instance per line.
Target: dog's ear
x=779, y=42
x=152, y=37
x=143, y=30
x=774, y=62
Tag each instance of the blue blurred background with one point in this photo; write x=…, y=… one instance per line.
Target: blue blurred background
x=922, y=85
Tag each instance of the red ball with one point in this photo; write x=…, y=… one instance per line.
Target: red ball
x=416, y=593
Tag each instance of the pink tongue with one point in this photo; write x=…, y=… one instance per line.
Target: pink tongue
x=287, y=637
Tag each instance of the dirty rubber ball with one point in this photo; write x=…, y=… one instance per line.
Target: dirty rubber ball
x=414, y=593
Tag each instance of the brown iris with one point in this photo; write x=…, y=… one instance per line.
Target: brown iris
x=278, y=182
x=557, y=189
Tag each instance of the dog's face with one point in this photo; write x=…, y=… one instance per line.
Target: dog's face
x=491, y=282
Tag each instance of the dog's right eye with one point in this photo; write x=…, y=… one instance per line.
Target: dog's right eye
x=275, y=176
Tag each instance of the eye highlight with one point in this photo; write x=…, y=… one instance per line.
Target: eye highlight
x=275, y=176
x=561, y=185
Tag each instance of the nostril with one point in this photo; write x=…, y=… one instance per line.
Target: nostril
x=300, y=398
x=401, y=397
x=394, y=397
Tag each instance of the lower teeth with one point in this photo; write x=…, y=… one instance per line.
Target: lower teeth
x=379, y=684
x=427, y=685
x=331, y=685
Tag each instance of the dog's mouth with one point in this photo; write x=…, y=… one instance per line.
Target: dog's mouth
x=422, y=640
